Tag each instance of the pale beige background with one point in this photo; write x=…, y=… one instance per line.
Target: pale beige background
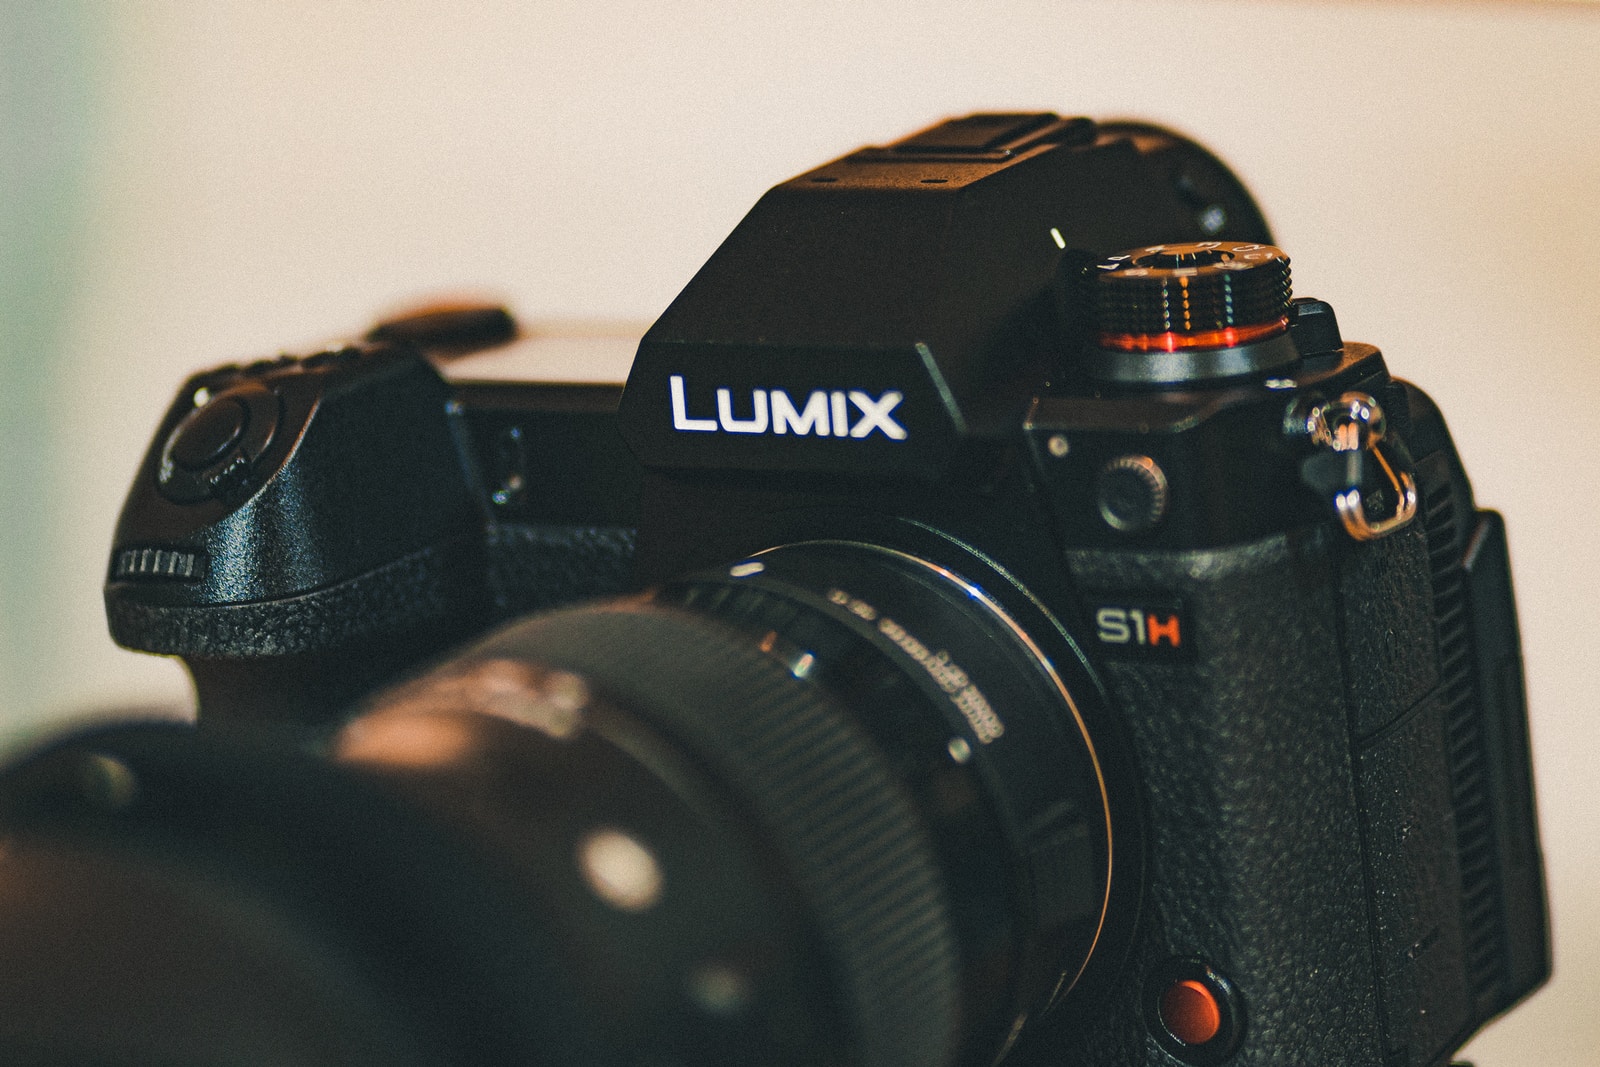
x=260, y=175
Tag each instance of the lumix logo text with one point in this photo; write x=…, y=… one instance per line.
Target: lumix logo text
x=824, y=413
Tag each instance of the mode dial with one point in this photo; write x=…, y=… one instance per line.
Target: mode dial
x=1173, y=313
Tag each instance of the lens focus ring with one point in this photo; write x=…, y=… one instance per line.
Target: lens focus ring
x=850, y=838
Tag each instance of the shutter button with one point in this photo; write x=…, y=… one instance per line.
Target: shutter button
x=208, y=433
x=212, y=451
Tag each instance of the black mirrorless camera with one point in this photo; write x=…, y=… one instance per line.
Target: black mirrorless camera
x=1011, y=628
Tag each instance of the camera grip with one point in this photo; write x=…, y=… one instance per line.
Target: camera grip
x=315, y=556
x=1254, y=829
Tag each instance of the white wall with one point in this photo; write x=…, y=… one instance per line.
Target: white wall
x=262, y=175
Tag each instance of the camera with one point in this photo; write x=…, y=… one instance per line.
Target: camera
x=995, y=622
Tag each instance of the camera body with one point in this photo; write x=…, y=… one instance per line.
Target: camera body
x=1253, y=564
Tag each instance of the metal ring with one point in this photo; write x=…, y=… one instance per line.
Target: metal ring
x=1353, y=513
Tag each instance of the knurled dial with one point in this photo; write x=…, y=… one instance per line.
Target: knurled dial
x=1188, y=302
x=1207, y=294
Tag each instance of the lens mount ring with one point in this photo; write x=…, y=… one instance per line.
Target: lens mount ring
x=920, y=641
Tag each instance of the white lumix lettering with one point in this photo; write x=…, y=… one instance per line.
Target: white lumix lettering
x=875, y=415
x=680, y=410
x=825, y=413
x=812, y=419
x=756, y=424
x=841, y=414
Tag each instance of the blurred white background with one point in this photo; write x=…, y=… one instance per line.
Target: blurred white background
x=187, y=182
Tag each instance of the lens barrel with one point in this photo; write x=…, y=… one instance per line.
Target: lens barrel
x=829, y=805
x=910, y=808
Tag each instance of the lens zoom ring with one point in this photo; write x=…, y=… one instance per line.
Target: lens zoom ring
x=845, y=830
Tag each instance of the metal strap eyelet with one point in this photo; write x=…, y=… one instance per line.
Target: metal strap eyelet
x=1355, y=423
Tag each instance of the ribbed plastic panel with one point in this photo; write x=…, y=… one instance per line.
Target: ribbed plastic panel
x=1482, y=907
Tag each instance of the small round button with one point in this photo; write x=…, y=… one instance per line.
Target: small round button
x=1191, y=1012
x=208, y=433
x=333, y=357
x=1132, y=494
x=213, y=450
x=1194, y=1012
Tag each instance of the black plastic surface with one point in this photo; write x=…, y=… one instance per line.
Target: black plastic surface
x=927, y=277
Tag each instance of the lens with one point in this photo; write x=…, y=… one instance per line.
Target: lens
x=173, y=896
x=832, y=804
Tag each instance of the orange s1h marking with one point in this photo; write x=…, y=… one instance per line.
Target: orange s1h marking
x=1141, y=627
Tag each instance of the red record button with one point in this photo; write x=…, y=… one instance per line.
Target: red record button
x=1191, y=1012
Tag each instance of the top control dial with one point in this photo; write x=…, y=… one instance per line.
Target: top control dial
x=213, y=449
x=1173, y=313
